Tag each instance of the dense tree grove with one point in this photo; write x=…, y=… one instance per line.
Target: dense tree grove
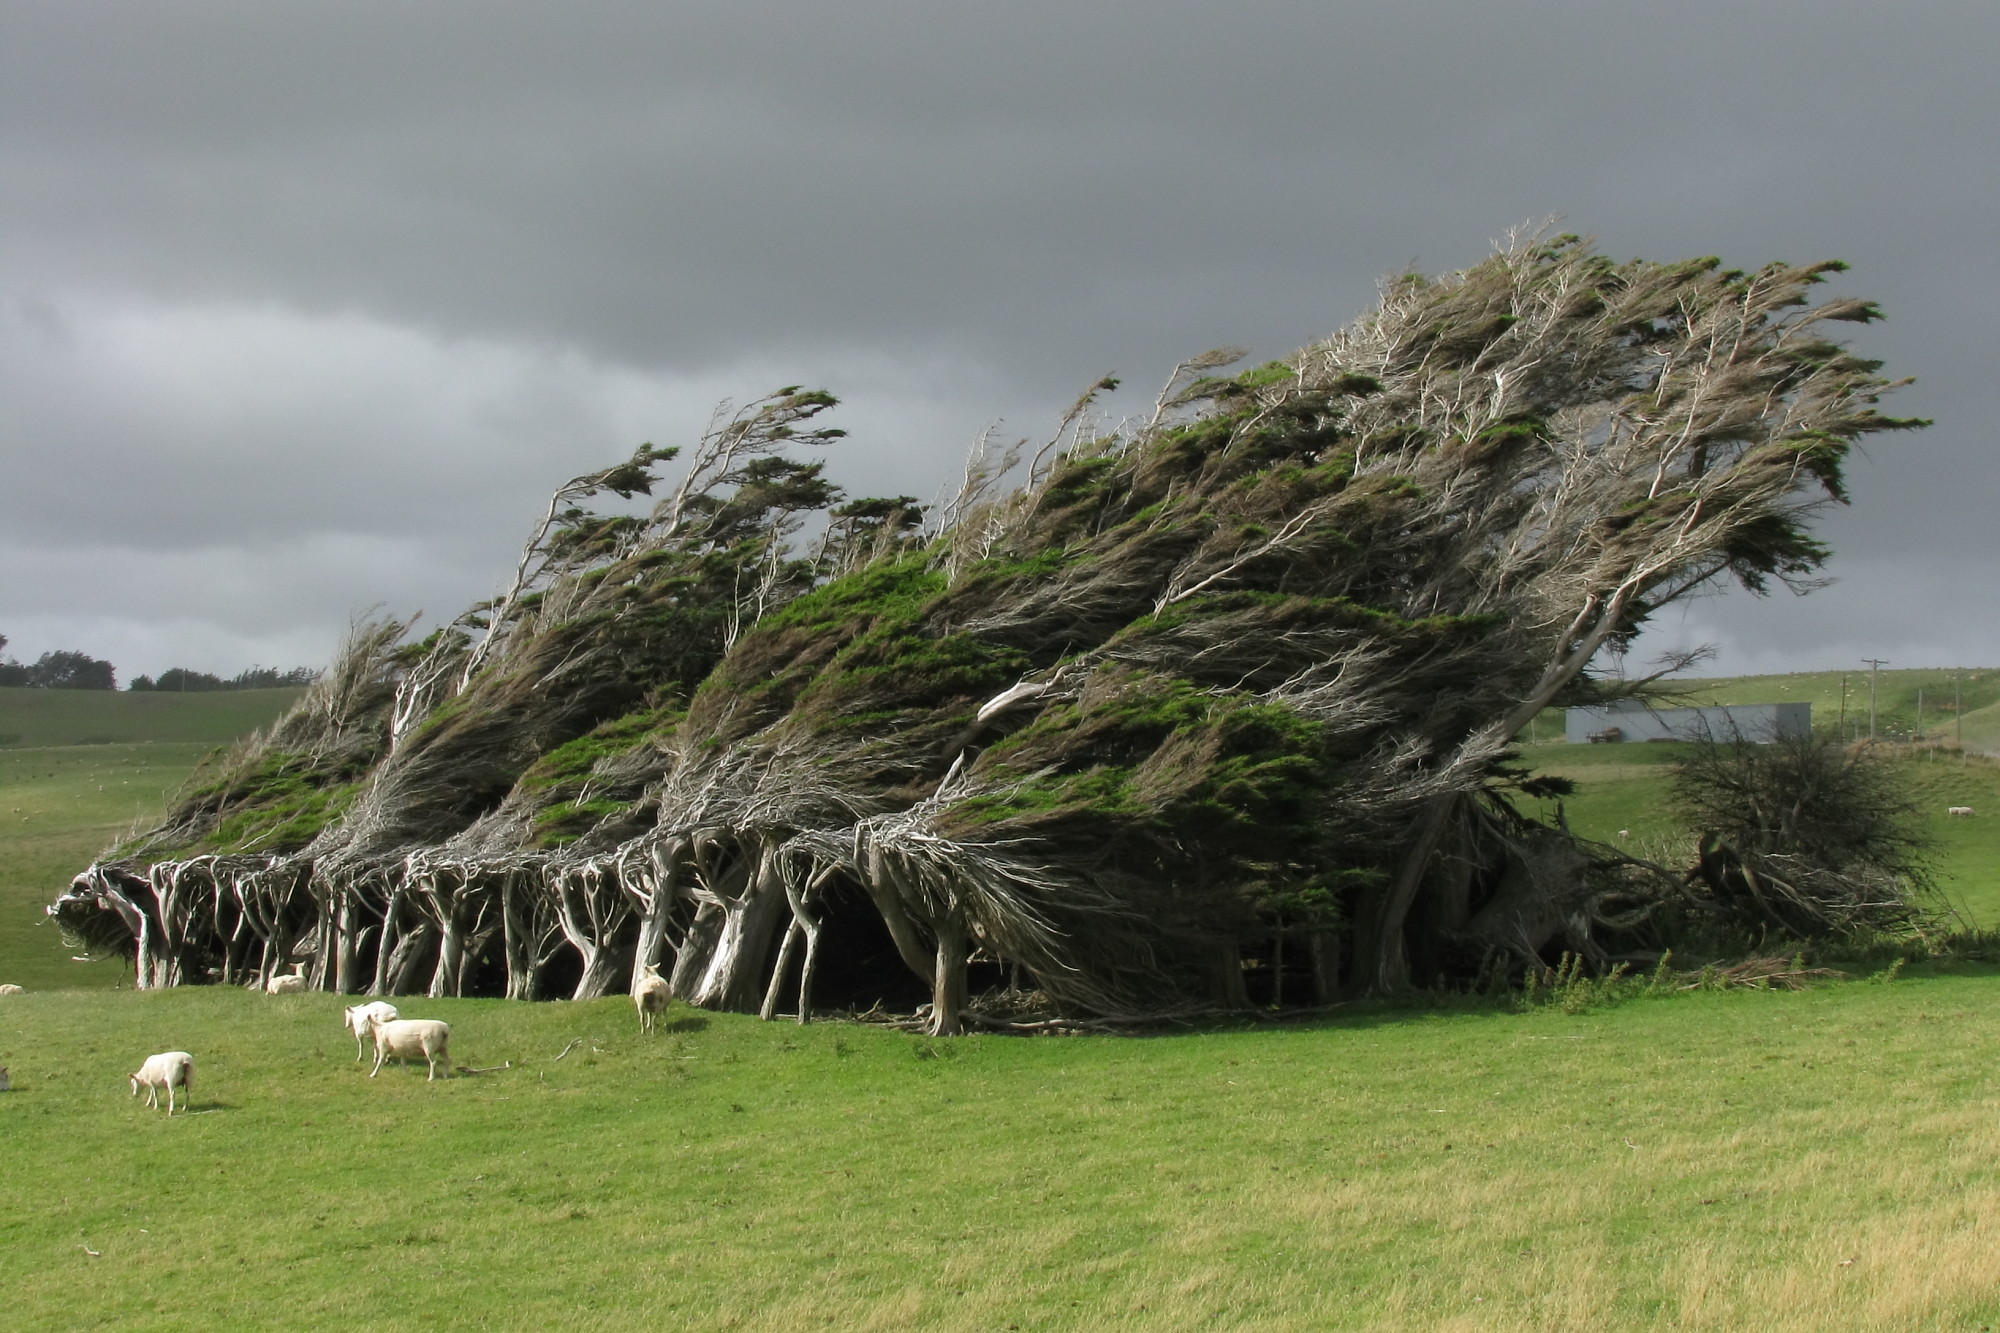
x=1201, y=711
x=59, y=670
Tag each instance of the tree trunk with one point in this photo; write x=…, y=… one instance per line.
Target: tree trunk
x=1387, y=962
x=785, y=951
x=406, y=963
x=346, y=941
x=806, y=972
x=735, y=968
x=948, y=983
x=697, y=948
x=880, y=880
x=1325, y=950
x=391, y=944
x=1229, y=991
x=451, y=958
x=600, y=972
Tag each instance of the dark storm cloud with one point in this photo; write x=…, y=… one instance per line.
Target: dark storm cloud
x=382, y=273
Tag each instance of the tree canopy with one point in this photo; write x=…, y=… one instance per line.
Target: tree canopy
x=1183, y=714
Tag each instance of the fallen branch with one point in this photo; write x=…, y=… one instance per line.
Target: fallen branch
x=574, y=1043
x=1762, y=972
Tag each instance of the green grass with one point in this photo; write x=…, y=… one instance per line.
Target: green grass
x=1821, y=1160
x=1829, y=1159
x=60, y=808
x=38, y=718
x=67, y=792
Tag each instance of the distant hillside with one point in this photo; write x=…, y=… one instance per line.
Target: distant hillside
x=40, y=718
x=1897, y=698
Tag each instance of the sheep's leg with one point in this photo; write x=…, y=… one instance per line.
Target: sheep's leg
x=378, y=1061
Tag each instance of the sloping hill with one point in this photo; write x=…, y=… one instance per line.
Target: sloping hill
x=1908, y=704
x=35, y=718
x=78, y=769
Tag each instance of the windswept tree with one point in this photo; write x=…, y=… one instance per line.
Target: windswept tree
x=1211, y=709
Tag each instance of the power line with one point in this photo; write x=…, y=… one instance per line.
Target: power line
x=1875, y=665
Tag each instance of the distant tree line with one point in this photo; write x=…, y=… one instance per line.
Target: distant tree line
x=58, y=671
x=256, y=678
x=63, y=670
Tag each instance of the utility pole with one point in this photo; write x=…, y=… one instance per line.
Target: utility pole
x=1875, y=665
x=1843, y=708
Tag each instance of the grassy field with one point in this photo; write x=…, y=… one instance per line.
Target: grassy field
x=68, y=791
x=1823, y=1160
x=1909, y=705
x=43, y=718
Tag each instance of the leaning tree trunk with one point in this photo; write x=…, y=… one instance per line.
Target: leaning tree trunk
x=593, y=911
x=651, y=879
x=735, y=973
x=531, y=930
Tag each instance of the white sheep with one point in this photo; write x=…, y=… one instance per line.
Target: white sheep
x=359, y=1016
x=407, y=1037
x=169, y=1070
x=11, y=989
x=1959, y=811
x=650, y=994
x=295, y=984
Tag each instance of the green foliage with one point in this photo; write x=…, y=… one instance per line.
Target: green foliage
x=1164, y=754
x=282, y=816
x=278, y=805
x=897, y=589
x=564, y=822
x=573, y=761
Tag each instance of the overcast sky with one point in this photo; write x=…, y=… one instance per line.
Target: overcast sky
x=305, y=308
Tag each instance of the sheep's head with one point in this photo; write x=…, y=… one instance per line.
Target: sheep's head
x=134, y=1079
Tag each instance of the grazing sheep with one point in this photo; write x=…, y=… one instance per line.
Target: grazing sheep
x=1624, y=834
x=650, y=994
x=169, y=1070
x=359, y=1016
x=1959, y=812
x=11, y=989
x=295, y=984
x=406, y=1037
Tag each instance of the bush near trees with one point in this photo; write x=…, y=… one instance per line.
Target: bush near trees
x=1803, y=837
x=1211, y=709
